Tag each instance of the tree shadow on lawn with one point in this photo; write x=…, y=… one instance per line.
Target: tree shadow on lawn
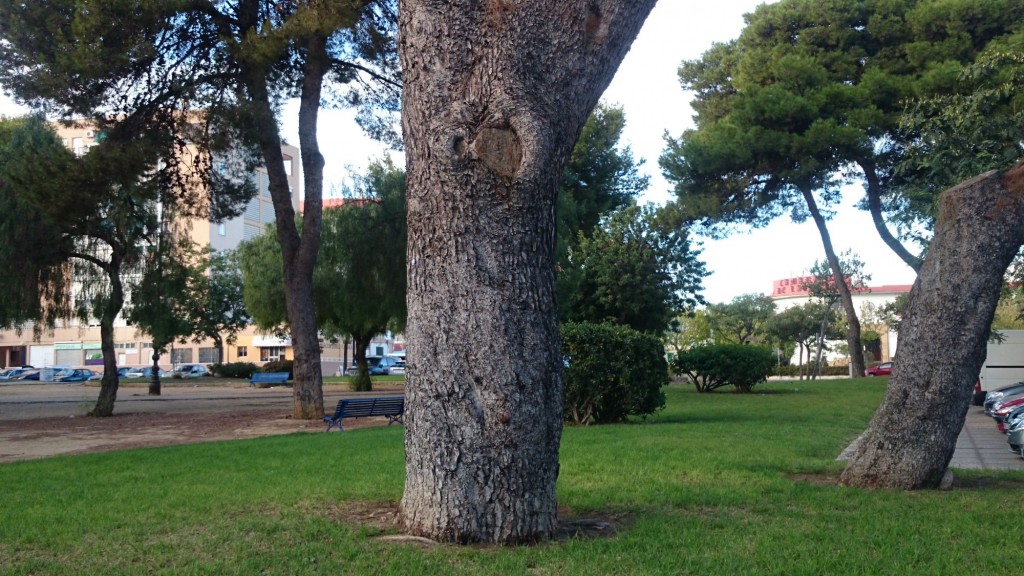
x=382, y=520
x=961, y=481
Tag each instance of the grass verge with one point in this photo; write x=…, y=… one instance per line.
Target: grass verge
x=714, y=484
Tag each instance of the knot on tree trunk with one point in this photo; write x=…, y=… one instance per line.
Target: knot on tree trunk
x=500, y=150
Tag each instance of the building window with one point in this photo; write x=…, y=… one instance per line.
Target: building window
x=243, y=352
x=147, y=345
x=181, y=356
x=271, y=353
x=209, y=355
x=126, y=346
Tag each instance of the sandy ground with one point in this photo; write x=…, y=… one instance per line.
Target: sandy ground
x=43, y=421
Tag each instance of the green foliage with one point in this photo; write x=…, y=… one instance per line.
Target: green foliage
x=741, y=321
x=636, y=269
x=279, y=366
x=717, y=365
x=956, y=135
x=234, y=369
x=612, y=372
x=263, y=280
x=812, y=93
x=822, y=283
x=165, y=301
x=601, y=177
x=33, y=251
x=359, y=278
x=218, y=312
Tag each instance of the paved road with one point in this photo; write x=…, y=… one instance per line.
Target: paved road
x=20, y=402
x=982, y=445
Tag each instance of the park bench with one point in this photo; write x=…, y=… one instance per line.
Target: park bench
x=393, y=408
x=268, y=378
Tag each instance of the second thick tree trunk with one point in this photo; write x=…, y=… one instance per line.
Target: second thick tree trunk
x=944, y=335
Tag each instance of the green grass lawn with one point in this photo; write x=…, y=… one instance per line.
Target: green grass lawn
x=714, y=484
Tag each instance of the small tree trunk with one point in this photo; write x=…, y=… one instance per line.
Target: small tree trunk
x=874, y=197
x=495, y=96
x=298, y=253
x=944, y=335
x=154, y=378
x=362, y=382
x=109, y=384
x=853, y=330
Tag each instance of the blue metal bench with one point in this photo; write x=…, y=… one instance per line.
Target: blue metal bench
x=268, y=378
x=393, y=408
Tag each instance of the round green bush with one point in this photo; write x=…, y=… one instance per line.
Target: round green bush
x=234, y=369
x=611, y=372
x=717, y=365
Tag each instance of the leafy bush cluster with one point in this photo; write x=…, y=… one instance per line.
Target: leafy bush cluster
x=612, y=372
x=711, y=367
x=794, y=370
x=279, y=366
x=234, y=369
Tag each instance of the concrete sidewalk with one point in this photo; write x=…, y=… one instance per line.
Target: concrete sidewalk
x=982, y=446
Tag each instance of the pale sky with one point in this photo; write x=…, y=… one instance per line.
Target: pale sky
x=647, y=87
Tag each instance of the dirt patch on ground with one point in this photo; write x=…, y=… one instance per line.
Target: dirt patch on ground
x=43, y=437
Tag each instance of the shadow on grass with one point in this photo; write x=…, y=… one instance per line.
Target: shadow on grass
x=961, y=481
x=382, y=520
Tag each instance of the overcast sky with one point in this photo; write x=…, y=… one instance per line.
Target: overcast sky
x=647, y=88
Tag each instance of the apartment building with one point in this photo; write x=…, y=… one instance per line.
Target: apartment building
x=75, y=344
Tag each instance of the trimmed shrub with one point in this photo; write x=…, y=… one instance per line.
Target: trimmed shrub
x=711, y=367
x=611, y=372
x=279, y=366
x=234, y=369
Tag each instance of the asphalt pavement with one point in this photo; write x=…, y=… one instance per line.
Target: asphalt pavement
x=21, y=401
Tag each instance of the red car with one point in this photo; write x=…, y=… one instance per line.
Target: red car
x=883, y=369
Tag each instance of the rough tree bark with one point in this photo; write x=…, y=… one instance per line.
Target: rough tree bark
x=115, y=301
x=874, y=197
x=298, y=252
x=495, y=95
x=943, y=336
x=853, y=330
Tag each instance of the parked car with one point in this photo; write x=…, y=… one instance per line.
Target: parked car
x=32, y=374
x=190, y=371
x=15, y=373
x=142, y=372
x=74, y=375
x=399, y=368
x=1015, y=438
x=995, y=396
x=385, y=365
x=883, y=369
x=1011, y=420
x=1000, y=410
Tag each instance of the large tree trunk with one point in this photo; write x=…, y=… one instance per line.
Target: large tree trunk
x=109, y=384
x=943, y=336
x=853, y=329
x=495, y=96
